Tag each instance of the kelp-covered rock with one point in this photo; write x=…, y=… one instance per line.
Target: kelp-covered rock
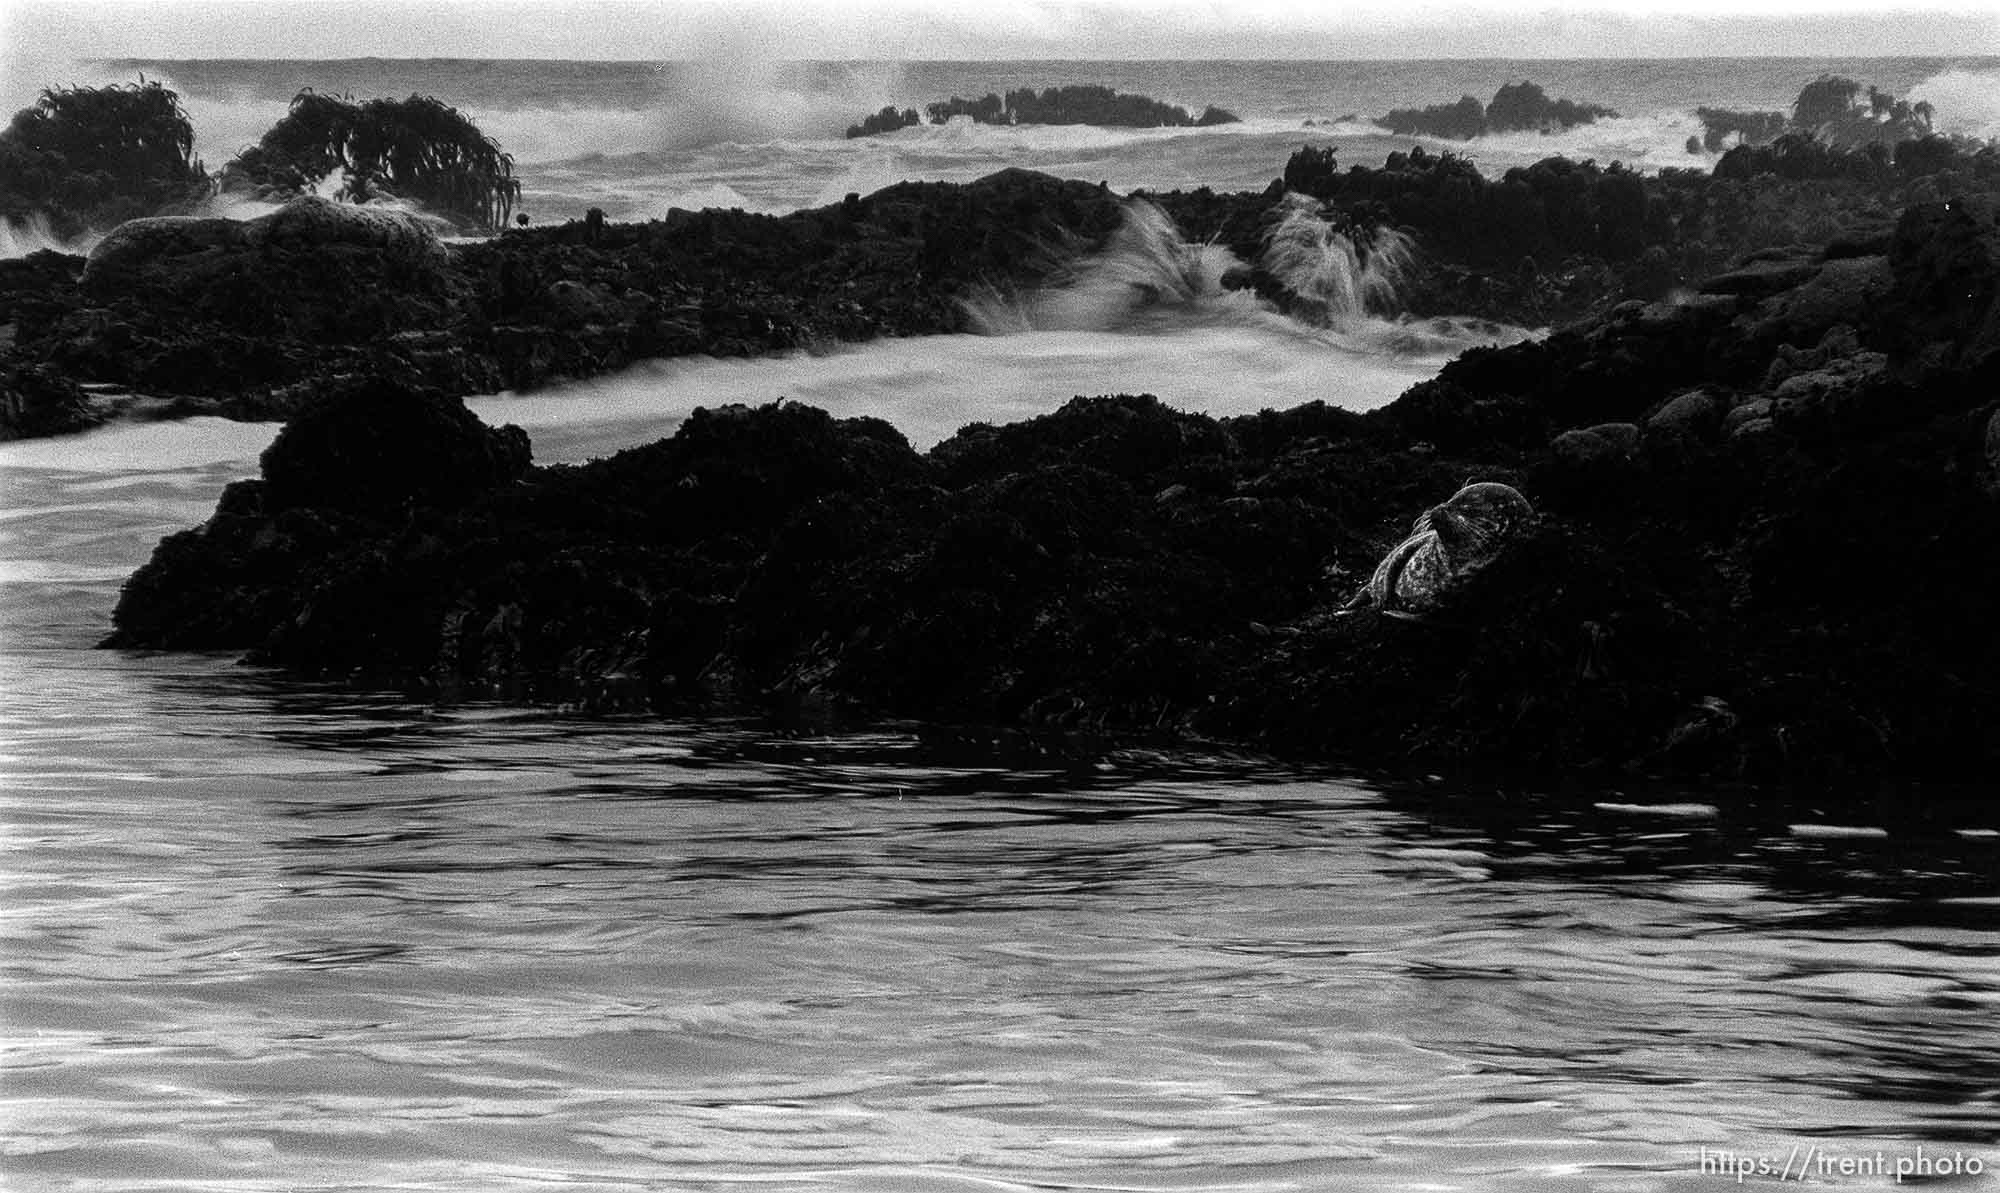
x=1810, y=602
x=1832, y=109
x=419, y=149
x=84, y=158
x=1720, y=125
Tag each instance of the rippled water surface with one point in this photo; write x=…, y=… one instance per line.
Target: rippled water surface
x=265, y=936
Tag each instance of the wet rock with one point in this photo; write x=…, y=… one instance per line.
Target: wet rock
x=1837, y=342
x=1623, y=436
x=1762, y=279
x=374, y=447
x=1747, y=412
x=1946, y=261
x=36, y=400
x=1840, y=292
x=1993, y=454
x=1695, y=414
x=1587, y=449
x=573, y=304
x=1834, y=384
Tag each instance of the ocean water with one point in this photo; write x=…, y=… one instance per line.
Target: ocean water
x=257, y=934
x=637, y=139
x=265, y=935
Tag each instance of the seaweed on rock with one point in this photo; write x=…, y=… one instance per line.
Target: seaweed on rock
x=1718, y=125
x=418, y=148
x=1831, y=109
x=88, y=158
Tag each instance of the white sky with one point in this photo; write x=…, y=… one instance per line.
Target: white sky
x=64, y=30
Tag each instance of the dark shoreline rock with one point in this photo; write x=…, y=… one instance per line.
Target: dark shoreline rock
x=1805, y=603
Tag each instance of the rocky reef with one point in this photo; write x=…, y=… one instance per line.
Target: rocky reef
x=202, y=315
x=1767, y=522
x=1074, y=104
x=1516, y=107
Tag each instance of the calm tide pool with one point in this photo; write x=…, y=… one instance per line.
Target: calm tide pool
x=262, y=935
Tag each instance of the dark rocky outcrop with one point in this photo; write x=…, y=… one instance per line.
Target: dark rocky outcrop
x=1074, y=104
x=1516, y=107
x=1735, y=574
x=887, y=120
x=1829, y=112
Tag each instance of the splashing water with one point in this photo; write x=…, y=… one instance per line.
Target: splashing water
x=1966, y=101
x=31, y=233
x=1146, y=269
x=1335, y=275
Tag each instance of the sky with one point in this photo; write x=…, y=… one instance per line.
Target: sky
x=69, y=30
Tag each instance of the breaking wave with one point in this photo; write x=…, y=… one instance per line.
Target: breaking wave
x=1966, y=102
x=31, y=233
x=1146, y=270
x=1339, y=274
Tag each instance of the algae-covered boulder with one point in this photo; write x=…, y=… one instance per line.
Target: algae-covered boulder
x=313, y=268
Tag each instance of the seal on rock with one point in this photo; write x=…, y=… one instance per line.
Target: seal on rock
x=1447, y=544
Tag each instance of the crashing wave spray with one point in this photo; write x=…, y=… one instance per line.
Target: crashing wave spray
x=1967, y=101
x=1145, y=268
x=26, y=234
x=1332, y=270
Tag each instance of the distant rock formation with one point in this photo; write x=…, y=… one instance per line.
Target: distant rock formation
x=888, y=120
x=1515, y=107
x=1831, y=110
x=1076, y=104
